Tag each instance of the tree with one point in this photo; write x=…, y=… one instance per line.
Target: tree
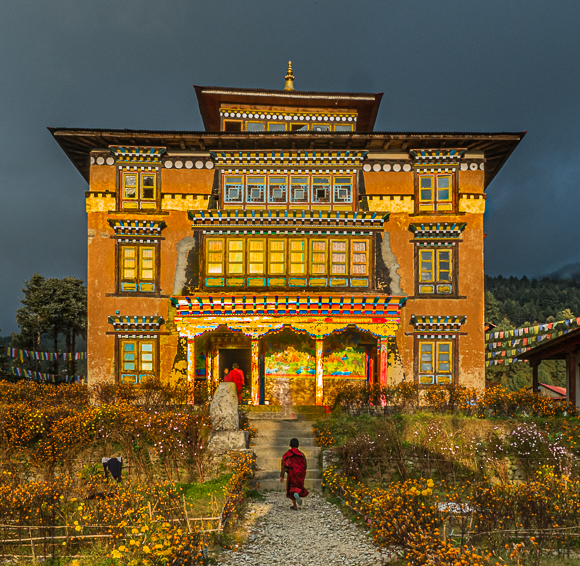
x=492, y=313
x=53, y=308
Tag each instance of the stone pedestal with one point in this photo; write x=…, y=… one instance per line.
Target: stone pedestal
x=225, y=418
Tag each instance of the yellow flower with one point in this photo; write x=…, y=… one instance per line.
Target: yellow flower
x=77, y=528
x=146, y=549
x=123, y=548
x=116, y=554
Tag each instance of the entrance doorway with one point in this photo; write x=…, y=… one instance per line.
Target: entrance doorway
x=241, y=356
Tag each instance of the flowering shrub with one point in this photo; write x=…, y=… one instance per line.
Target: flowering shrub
x=322, y=436
x=152, y=426
x=416, y=516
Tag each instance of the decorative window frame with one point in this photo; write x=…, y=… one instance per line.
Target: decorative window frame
x=437, y=163
x=139, y=161
x=436, y=329
x=278, y=267
x=437, y=236
x=138, y=233
x=136, y=329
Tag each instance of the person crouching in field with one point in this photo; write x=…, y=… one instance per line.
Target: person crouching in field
x=294, y=464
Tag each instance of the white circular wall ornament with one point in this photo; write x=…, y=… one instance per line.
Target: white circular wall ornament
x=396, y=167
x=92, y=160
x=110, y=161
x=189, y=164
x=100, y=160
x=482, y=166
x=473, y=166
x=406, y=167
x=386, y=167
x=178, y=164
x=262, y=116
x=168, y=164
x=209, y=164
x=268, y=116
x=464, y=166
x=326, y=118
x=307, y=117
x=288, y=118
x=332, y=118
x=199, y=164
x=227, y=114
x=238, y=115
x=367, y=167
x=376, y=167
x=349, y=119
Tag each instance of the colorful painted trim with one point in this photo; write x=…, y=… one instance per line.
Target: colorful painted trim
x=437, y=230
x=137, y=154
x=438, y=323
x=137, y=227
x=352, y=305
x=289, y=158
x=137, y=323
x=294, y=218
x=303, y=116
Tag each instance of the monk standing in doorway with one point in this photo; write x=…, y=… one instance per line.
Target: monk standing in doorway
x=237, y=376
x=294, y=464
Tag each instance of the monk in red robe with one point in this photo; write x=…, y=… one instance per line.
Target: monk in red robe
x=294, y=464
x=237, y=376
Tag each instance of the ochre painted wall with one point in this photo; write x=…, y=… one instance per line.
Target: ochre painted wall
x=386, y=191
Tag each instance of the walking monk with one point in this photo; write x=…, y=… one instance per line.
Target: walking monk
x=294, y=464
x=237, y=376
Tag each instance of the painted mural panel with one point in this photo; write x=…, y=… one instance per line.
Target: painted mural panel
x=288, y=354
x=200, y=355
x=344, y=356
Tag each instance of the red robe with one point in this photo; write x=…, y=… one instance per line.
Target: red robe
x=237, y=376
x=294, y=463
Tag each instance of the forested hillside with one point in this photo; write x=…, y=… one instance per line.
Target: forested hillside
x=512, y=302
x=530, y=300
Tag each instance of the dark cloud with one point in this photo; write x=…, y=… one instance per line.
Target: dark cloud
x=447, y=65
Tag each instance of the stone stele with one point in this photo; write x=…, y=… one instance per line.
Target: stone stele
x=225, y=418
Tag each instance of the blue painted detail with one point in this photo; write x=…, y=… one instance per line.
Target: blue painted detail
x=214, y=284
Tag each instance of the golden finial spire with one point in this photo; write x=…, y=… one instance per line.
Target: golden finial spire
x=289, y=78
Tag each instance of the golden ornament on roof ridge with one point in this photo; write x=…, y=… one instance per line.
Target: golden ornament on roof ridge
x=289, y=78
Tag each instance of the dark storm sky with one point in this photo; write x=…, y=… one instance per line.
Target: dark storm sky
x=446, y=65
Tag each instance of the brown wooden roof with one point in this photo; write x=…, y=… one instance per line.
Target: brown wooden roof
x=554, y=349
x=77, y=143
x=210, y=98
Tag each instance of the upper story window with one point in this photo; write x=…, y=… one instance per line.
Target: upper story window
x=287, y=262
x=435, y=192
x=238, y=120
x=435, y=271
x=288, y=189
x=138, y=190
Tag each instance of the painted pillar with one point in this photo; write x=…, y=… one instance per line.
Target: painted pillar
x=214, y=379
x=191, y=367
x=383, y=360
x=319, y=371
x=255, y=377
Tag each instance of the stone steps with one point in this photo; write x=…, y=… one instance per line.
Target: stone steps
x=276, y=426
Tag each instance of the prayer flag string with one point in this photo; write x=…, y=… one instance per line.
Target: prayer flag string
x=44, y=356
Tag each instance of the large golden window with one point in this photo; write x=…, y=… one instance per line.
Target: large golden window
x=256, y=257
x=277, y=257
x=235, y=257
x=138, y=190
x=298, y=257
x=137, y=268
x=281, y=261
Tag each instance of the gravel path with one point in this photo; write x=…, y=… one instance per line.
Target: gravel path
x=316, y=535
